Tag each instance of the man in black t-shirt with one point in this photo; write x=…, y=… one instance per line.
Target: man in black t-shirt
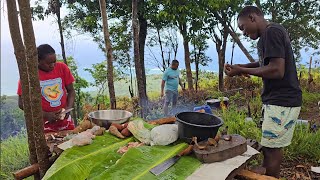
x=281, y=96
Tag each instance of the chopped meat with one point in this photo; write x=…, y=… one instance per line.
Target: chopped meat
x=124, y=149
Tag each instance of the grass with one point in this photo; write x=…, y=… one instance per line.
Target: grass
x=309, y=99
x=305, y=145
x=14, y=155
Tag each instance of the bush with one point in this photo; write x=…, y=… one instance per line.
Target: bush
x=14, y=155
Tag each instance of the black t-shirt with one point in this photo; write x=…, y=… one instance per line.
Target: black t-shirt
x=275, y=43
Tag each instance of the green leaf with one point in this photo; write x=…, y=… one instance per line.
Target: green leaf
x=77, y=162
x=100, y=160
x=137, y=162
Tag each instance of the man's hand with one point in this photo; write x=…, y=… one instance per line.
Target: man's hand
x=232, y=70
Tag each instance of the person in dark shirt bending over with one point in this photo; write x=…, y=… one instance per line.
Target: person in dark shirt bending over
x=281, y=96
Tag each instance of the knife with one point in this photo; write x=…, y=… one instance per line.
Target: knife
x=66, y=111
x=63, y=112
x=170, y=162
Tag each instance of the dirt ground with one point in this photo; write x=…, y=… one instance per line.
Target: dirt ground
x=294, y=170
x=312, y=114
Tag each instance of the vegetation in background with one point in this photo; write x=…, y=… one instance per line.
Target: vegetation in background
x=14, y=155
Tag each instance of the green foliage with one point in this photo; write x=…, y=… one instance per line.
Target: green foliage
x=305, y=145
x=309, y=99
x=12, y=118
x=198, y=55
x=300, y=18
x=235, y=120
x=14, y=155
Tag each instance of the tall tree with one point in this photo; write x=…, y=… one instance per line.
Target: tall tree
x=121, y=35
x=181, y=13
x=34, y=85
x=108, y=50
x=143, y=99
x=143, y=27
x=218, y=23
x=165, y=38
x=54, y=7
x=198, y=55
x=300, y=18
x=23, y=71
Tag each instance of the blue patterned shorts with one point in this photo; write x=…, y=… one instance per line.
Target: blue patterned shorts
x=278, y=125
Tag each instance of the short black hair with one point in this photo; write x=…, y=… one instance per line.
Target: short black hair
x=44, y=50
x=175, y=61
x=246, y=11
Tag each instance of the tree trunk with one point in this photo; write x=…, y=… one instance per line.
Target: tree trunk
x=197, y=69
x=143, y=26
x=161, y=48
x=32, y=64
x=234, y=36
x=241, y=46
x=222, y=56
x=103, y=9
x=19, y=52
x=197, y=75
x=310, y=78
x=61, y=34
x=183, y=29
x=143, y=100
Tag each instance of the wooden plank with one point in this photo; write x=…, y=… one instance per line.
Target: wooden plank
x=248, y=175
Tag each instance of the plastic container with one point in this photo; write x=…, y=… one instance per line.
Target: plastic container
x=206, y=108
x=195, y=124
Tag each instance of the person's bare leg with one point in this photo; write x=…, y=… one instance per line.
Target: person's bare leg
x=272, y=159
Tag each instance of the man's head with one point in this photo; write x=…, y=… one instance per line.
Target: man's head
x=249, y=21
x=175, y=64
x=46, y=57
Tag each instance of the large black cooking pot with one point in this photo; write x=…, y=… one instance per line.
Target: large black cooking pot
x=201, y=125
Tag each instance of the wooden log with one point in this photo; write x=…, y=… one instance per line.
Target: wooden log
x=168, y=120
x=31, y=170
x=26, y=172
x=248, y=175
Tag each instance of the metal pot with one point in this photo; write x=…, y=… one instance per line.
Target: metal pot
x=215, y=103
x=195, y=124
x=104, y=118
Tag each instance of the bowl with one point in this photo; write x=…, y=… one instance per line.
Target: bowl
x=215, y=103
x=104, y=118
x=196, y=124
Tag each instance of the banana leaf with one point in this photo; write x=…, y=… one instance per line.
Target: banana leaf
x=137, y=162
x=101, y=161
x=77, y=162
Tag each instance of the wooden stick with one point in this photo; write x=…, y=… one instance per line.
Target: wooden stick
x=168, y=120
x=31, y=170
x=26, y=172
x=245, y=174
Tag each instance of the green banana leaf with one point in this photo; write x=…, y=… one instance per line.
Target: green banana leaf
x=137, y=162
x=77, y=162
x=101, y=161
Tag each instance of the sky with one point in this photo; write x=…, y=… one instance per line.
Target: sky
x=82, y=48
